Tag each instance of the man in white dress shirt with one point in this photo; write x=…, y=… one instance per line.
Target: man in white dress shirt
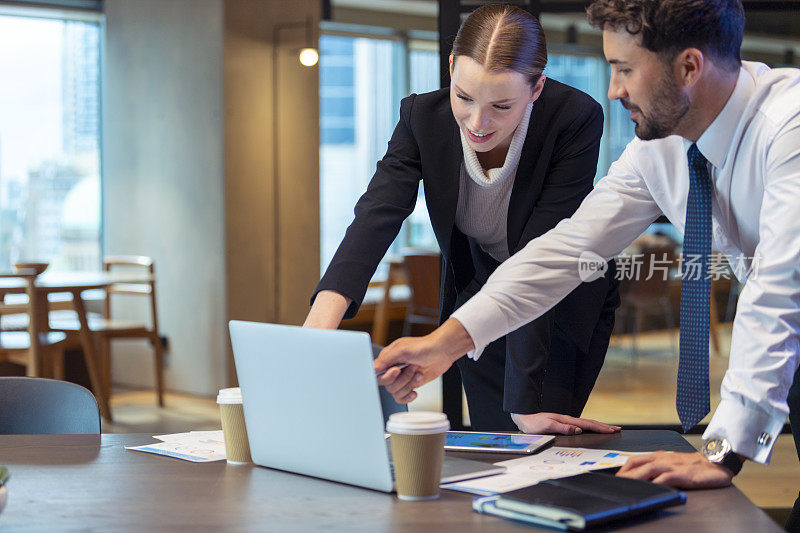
x=676, y=67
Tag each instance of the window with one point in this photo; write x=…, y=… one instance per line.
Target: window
x=424, y=69
x=50, y=142
x=591, y=74
x=362, y=81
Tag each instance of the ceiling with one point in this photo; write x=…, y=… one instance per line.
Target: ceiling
x=764, y=17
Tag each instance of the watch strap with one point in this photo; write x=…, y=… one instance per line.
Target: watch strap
x=732, y=462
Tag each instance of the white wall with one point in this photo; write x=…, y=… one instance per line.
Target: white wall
x=163, y=164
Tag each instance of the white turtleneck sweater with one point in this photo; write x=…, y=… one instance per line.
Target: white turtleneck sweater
x=483, y=197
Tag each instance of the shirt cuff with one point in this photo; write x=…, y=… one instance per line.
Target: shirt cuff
x=751, y=432
x=484, y=321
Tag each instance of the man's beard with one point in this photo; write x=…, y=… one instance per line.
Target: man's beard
x=668, y=107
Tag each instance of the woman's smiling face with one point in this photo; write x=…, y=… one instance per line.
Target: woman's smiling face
x=488, y=105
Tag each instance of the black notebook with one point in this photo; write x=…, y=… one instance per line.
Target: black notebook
x=581, y=501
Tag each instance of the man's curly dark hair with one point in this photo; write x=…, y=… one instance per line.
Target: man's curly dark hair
x=667, y=27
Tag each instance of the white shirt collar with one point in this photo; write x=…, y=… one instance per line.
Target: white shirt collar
x=715, y=142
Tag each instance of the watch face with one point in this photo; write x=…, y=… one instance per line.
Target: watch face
x=715, y=450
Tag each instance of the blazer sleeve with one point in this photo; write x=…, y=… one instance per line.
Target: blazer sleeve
x=569, y=179
x=379, y=215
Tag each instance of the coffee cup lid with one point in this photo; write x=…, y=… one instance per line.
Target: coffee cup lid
x=232, y=395
x=417, y=422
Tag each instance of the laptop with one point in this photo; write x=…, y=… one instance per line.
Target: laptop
x=312, y=407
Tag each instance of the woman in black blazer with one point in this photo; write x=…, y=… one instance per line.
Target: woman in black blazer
x=503, y=156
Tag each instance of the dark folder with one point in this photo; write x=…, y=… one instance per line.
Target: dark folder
x=581, y=501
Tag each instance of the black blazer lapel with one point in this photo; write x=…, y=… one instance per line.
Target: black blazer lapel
x=527, y=182
x=441, y=187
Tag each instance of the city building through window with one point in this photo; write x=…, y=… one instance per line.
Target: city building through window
x=50, y=208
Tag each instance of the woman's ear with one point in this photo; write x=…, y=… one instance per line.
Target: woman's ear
x=452, y=61
x=537, y=89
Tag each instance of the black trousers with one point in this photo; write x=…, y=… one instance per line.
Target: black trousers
x=570, y=377
x=793, y=524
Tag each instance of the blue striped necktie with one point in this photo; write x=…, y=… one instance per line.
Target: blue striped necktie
x=692, y=401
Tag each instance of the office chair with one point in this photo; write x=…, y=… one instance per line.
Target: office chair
x=40, y=406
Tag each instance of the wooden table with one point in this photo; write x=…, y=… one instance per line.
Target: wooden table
x=91, y=482
x=75, y=283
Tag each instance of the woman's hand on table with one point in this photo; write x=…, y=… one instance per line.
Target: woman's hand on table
x=557, y=423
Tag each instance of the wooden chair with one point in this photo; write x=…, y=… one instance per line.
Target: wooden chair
x=41, y=352
x=424, y=271
x=642, y=296
x=107, y=328
x=713, y=323
x=395, y=277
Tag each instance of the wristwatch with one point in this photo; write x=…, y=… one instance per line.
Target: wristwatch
x=719, y=451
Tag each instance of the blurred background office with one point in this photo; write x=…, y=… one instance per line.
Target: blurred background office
x=190, y=133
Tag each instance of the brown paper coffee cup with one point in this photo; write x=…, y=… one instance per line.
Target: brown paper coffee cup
x=234, y=430
x=417, y=440
x=418, y=465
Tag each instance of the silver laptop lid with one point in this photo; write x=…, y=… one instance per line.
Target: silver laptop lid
x=311, y=402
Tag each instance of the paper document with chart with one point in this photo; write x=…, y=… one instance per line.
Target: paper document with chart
x=555, y=462
x=195, y=446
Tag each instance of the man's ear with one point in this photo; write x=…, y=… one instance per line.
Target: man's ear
x=688, y=66
x=537, y=89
